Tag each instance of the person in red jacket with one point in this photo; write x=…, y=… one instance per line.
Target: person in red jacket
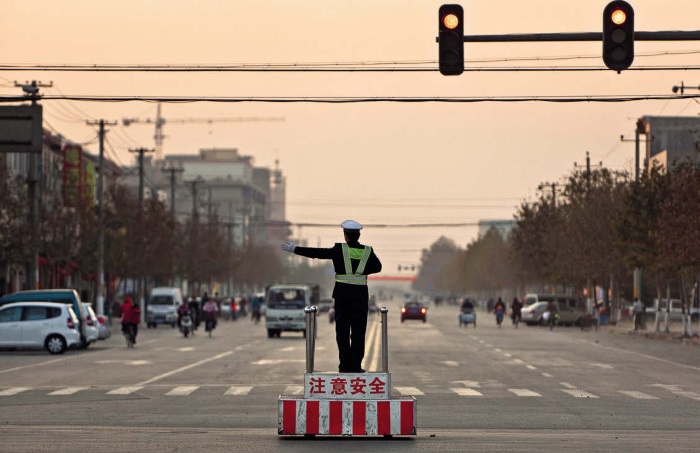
x=131, y=317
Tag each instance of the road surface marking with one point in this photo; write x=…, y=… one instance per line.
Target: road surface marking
x=124, y=390
x=68, y=391
x=474, y=384
x=507, y=355
x=530, y=367
x=14, y=391
x=547, y=375
x=524, y=392
x=184, y=368
x=498, y=350
x=30, y=366
x=603, y=366
x=450, y=363
x=182, y=391
x=294, y=390
x=646, y=356
x=186, y=349
x=691, y=395
x=638, y=395
x=276, y=361
x=567, y=385
x=467, y=392
x=238, y=390
x=579, y=394
x=409, y=391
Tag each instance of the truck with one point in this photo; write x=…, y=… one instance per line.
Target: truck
x=284, y=307
x=162, y=306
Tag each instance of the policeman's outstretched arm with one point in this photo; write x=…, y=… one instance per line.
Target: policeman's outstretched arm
x=289, y=247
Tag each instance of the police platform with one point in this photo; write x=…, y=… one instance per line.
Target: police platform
x=346, y=404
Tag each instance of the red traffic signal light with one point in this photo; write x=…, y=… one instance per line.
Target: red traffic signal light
x=451, y=39
x=618, y=35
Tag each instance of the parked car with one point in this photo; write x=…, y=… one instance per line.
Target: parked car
x=103, y=327
x=39, y=325
x=414, y=310
x=65, y=296
x=532, y=314
x=92, y=329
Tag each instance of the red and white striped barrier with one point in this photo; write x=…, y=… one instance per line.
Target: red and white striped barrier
x=308, y=416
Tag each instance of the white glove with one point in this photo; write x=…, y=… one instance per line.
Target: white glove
x=289, y=247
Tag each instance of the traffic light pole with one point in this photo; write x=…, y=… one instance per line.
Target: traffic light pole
x=588, y=36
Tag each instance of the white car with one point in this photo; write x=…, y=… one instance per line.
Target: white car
x=39, y=325
x=92, y=325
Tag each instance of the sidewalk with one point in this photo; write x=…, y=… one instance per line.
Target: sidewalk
x=626, y=327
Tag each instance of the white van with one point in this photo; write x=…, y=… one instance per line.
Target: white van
x=162, y=306
x=284, y=308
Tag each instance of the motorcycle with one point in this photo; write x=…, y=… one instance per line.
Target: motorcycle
x=186, y=325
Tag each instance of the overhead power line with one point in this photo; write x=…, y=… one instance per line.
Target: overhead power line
x=359, y=99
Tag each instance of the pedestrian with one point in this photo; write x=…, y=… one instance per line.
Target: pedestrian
x=352, y=262
x=638, y=314
x=131, y=317
x=516, y=308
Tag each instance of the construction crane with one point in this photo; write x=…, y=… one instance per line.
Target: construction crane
x=159, y=121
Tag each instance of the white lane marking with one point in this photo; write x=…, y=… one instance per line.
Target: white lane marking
x=124, y=390
x=579, y=393
x=183, y=390
x=507, y=355
x=473, y=384
x=567, y=385
x=603, y=366
x=125, y=362
x=524, y=392
x=498, y=350
x=638, y=395
x=669, y=387
x=294, y=390
x=288, y=348
x=276, y=361
x=625, y=351
x=547, y=375
x=450, y=363
x=31, y=366
x=409, y=391
x=518, y=361
x=238, y=390
x=68, y=391
x=530, y=367
x=184, y=368
x=186, y=349
x=467, y=392
x=14, y=391
x=691, y=395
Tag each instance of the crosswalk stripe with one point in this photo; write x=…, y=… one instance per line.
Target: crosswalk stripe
x=238, y=390
x=691, y=395
x=68, y=391
x=524, y=392
x=409, y=391
x=467, y=392
x=124, y=390
x=14, y=391
x=182, y=391
x=294, y=390
x=579, y=393
x=638, y=395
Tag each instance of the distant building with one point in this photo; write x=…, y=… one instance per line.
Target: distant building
x=503, y=226
x=670, y=139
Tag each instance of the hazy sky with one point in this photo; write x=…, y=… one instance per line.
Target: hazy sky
x=378, y=163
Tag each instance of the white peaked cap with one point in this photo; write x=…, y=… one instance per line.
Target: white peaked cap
x=351, y=225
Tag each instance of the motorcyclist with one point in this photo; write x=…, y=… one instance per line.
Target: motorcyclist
x=255, y=306
x=210, y=310
x=194, y=310
x=182, y=311
x=499, y=310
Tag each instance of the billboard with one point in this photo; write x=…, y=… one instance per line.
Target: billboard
x=20, y=129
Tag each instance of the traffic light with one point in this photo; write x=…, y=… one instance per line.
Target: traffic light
x=618, y=35
x=451, y=39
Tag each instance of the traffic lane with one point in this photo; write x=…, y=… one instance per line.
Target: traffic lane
x=59, y=439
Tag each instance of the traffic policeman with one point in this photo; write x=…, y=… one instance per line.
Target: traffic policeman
x=353, y=262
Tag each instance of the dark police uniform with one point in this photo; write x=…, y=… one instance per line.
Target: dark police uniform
x=352, y=262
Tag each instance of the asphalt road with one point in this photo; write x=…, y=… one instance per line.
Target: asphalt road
x=484, y=389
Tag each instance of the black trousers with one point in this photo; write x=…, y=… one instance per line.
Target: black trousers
x=350, y=328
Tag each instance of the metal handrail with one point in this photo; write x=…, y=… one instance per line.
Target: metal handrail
x=310, y=313
x=385, y=340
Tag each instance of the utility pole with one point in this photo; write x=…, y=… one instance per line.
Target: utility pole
x=33, y=177
x=142, y=281
x=553, y=186
x=101, y=216
x=173, y=180
x=194, y=183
